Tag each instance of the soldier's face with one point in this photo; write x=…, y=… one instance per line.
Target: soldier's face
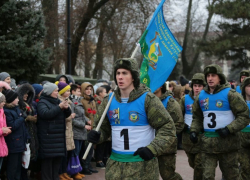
x=242, y=78
x=247, y=90
x=213, y=80
x=124, y=79
x=197, y=88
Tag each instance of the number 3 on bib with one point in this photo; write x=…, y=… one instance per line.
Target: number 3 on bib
x=124, y=133
x=213, y=117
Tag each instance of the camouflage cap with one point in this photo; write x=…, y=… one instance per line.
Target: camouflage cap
x=215, y=69
x=131, y=65
x=198, y=78
x=244, y=73
x=243, y=85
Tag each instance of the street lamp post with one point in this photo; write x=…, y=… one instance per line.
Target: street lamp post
x=68, y=38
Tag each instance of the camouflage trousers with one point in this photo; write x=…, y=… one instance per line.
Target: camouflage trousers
x=167, y=167
x=244, y=158
x=194, y=161
x=143, y=170
x=228, y=163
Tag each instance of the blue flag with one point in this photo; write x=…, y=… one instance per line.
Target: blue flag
x=160, y=51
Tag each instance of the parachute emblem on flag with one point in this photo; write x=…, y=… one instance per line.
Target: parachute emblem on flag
x=154, y=52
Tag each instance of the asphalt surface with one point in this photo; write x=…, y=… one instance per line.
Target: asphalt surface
x=182, y=167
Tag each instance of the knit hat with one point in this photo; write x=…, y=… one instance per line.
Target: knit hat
x=183, y=81
x=4, y=75
x=131, y=65
x=62, y=87
x=215, y=69
x=38, y=88
x=10, y=95
x=48, y=88
x=2, y=97
x=13, y=83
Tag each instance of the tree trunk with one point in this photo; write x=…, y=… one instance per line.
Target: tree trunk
x=87, y=57
x=97, y=72
x=185, y=41
x=49, y=8
x=93, y=7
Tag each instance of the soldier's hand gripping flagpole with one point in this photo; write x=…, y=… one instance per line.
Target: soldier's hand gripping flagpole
x=105, y=111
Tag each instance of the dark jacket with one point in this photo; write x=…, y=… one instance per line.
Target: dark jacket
x=51, y=127
x=16, y=140
x=31, y=126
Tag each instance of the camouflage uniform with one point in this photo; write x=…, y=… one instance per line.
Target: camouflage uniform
x=157, y=117
x=216, y=148
x=167, y=161
x=242, y=73
x=193, y=150
x=244, y=155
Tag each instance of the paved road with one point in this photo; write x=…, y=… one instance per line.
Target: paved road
x=182, y=167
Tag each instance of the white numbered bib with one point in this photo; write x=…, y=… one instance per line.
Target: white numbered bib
x=127, y=139
x=188, y=119
x=217, y=119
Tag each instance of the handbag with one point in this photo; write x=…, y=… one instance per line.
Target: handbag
x=26, y=156
x=74, y=165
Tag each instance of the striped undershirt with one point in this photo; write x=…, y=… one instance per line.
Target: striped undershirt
x=124, y=100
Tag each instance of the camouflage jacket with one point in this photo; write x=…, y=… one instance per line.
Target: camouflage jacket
x=232, y=141
x=158, y=118
x=187, y=144
x=174, y=110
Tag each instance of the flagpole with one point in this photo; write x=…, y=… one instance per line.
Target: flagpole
x=106, y=109
x=99, y=124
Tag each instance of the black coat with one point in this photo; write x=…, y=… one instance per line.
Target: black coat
x=31, y=126
x=16, y=140
x=51, y=127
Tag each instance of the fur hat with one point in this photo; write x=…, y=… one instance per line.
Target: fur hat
x=4, y=85
x=131, y=65
x=10, y=95
x=62, y=87
x=244, y=73
x=243, y=85
x=198, y=78
x=215, y=69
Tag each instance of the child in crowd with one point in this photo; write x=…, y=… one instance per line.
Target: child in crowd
x=88, y=102
x=16, y=141
x=80, y=123
x=63, y=95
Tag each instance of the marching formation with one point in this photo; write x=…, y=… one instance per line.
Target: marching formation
x=45, y=128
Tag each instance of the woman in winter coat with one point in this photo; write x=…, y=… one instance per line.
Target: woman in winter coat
x=4, y=130
x=51, y=115
x=16, y=141
x=89, y=106
x=26, y=95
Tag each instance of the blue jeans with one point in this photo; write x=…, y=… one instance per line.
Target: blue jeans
x=78, y=146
